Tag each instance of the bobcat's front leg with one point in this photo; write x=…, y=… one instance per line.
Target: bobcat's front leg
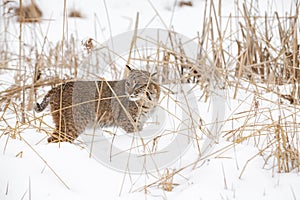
x=62, y=137
x=132, y=125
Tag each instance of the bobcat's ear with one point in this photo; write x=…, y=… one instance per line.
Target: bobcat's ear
x=154, y=74
x=129, y=68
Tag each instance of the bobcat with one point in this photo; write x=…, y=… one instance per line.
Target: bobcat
x=124, y=103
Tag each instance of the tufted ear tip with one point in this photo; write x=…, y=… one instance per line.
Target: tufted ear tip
x=129, y=68
x=154, y=74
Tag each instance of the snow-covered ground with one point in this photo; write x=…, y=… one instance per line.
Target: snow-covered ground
x=32, y=169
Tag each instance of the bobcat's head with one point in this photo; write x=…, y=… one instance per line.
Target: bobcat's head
x=141, y=85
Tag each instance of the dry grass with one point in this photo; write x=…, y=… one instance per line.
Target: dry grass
x=267, y=66
x=75, y=13
x=28, y=14
x=185, y=3
x=167, y=180
x=261, y=58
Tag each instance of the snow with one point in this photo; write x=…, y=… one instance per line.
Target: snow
x=32, y=169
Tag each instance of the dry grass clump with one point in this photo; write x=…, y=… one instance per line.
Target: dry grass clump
x=75, y=14
x=89, y=45
x=43, y=70
x=286, y=153
x=272, y=130
x=261, y=57
x=267, y=66
x=185, y=3
x=30, y=13
x=167, y=180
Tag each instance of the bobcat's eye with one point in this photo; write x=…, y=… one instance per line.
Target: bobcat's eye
x=136, y=86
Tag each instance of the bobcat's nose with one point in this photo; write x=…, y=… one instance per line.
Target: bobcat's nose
x=128, y=94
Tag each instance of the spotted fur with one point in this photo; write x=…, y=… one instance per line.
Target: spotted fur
x=124, y=103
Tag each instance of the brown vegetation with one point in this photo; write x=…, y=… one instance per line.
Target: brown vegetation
x=30, y=13
x=75, y=13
